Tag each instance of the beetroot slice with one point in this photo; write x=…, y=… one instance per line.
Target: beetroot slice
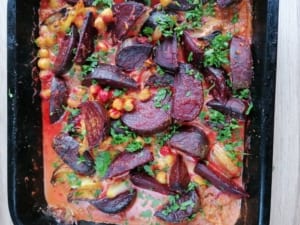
x=145, y=181
x=86, y=2
x=116, y=204
x=179, y=176
x=166, y=54
x=220, y=181
x=96, y=122
x=191, y=141
x=126, y=161
x=188, y=95
x=190, y=47
x=129, y=16
x=58, y=99
x=240, y=63
x=68, y=150
x=132, y=54
x=112, y=76
x=147, y=119
x=227, y=3
x=63, y=61
x=86, y=41
x=189, y=204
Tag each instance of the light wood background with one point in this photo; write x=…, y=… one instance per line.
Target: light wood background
x=285, y=208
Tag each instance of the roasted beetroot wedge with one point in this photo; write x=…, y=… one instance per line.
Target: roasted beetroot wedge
x=193, y=54
x=234, y=107
x=63, y=61
x=155, y=80
x=220, y=181
x=188, y=94
x=116, y=204
x=130, y=17
x=126, y=161
x=86, y=2
x=96, y=121
x=112, y=76
x=68, y=150
x=145, y=181
x=132, y=54
x=192, y=141
x=179, y=208
x=166, y=54
x=179, y=178
x=180, y=5
x=226, y=3
x=148, y=119
x=86, y=41
x=240, y=63
x=216, y=79
x=58, y=99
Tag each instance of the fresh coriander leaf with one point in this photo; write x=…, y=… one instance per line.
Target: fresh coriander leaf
x=250, y=107
x=147, y=140
x=148, y=31
x=190, y=57
x=149, y=170
x=134, y=146
x=102, y=163
x=235, y=18
x=118, y=92
x=161, y=94
x=103, y=3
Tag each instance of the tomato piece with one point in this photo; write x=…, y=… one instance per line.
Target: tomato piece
x=165, y=150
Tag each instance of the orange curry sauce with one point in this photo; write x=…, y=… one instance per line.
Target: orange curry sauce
x=217, y=207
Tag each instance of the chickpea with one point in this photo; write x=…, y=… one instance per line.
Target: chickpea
x=128, y=105
x=100, y=25
x=44, y=63
x=114, y=114
x=161, y=177
x=165, y=3
x=107, y=15
x=115, y=189
x=144, y=95
x=41, y=42
x=43, y=53
x=118, y=104
x=50, y=40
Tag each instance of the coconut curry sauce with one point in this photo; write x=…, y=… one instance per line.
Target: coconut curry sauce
x=145, y=106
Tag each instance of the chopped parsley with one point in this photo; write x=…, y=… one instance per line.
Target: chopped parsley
x=235, y=18
x=102, y=163
x=103, y=3
x=161, y=95
x=174, y=206
x=118, y=92
x=162, y=138
x=166, y=24
x=250, y=107
x=217, y=53
x=148, y=31
x=149, y=170
x=73, y=180
x=134, y=146
x=242, y=94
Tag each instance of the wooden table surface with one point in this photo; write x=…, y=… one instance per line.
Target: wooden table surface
x=285, y=209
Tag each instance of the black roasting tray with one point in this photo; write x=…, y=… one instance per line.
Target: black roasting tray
x=25, y=167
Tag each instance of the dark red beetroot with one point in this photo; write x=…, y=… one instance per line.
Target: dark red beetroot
x=179, y=178
x=190, y=47
x=63, y=61
x=110, y=75
x=234, y=107
x=191, y=141
x=180, y=5
x=130, y=16
x=156, y=80
x=132, y=54
x=220, y=181
x=216, y=79
x=86, y=41
x=58, y=99
x=188, y=203
x=240, y=63
x=226, y=3
x=145, y=181
x=126, y=161
x=86, y=2
x=96, y=121
x=166, y=54
x=116, y=204
x=188, y=95
x=68, y=150
x=147, y=119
